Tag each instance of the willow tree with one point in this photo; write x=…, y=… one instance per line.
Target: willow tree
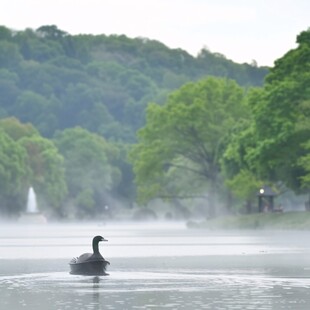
x=179, y=149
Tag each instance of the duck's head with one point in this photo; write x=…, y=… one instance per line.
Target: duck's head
x=98, y=239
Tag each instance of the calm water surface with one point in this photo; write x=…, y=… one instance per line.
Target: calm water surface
x=154, y=266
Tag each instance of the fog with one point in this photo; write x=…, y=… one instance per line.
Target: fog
x=154, y=265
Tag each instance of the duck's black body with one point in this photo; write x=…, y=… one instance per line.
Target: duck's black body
x=96, y=267
x=90, y=263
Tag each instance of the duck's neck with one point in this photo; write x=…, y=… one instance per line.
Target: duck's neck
x=96, y=247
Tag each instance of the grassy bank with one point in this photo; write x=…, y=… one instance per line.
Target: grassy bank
x=280, y=221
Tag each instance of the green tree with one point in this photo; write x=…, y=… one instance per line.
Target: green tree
x=65, y=79
x=281, y=116
x=44, y=164
x=30, y=106
x=9, y=90
x=5, y=33
x=16, y=130
x=125, y=190
x=51, y=31
x=272, y=144
x=9, y=55
x=186, y=137
x=239, y=171
x=13, y=173
x=305, y=163
x=89, y=173
x=47, y=174
x=244, y=185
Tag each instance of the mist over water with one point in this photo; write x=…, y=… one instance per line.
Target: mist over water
x=154, y=266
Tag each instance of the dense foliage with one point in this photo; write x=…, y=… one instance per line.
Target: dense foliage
x=182, y=143
x=102, y=83
x=274, y=145
x=78, y=102
x=209, y=129
x=28, y=159
x=70, y=107
x=90, y=173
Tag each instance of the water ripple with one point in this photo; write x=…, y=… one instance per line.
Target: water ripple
x=155, y=290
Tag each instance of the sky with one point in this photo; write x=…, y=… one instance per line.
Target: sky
x=242, y=30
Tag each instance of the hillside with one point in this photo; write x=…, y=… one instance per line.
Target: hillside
x=102, y=83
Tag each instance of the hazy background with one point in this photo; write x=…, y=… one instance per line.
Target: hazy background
x=241, y=30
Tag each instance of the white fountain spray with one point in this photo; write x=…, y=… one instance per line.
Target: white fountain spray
x=32, y=202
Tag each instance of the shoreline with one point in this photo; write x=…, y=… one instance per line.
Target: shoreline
x=260, y=221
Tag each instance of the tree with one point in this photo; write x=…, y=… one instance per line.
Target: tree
x=31, y=106
x=186, y=137
x=47, y=174
x=9, y=90
x=5, y=33
x=239, y=171
x=17, y=130
x=64, y=80
x=13, y=172
x=9, y=55
x=272, y=145
x=51, y=31
x=244, y=186
x=89, y=173
x=43, y=163
x=305, y=163
x=281, y=112
x=125, y=190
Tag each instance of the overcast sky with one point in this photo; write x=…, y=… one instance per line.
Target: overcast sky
x=242, y=30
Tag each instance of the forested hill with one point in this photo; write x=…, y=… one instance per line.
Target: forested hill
x=102, y=83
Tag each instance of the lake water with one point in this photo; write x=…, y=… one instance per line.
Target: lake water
x=154, y=266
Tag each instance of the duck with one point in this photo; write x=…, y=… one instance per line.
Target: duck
x=90, y=263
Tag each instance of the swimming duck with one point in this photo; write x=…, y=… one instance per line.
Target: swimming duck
x=90, y=263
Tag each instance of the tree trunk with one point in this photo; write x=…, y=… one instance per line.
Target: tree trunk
x=248, y=206
x=212, y=195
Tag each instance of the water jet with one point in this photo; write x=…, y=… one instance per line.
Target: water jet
x=32, y=214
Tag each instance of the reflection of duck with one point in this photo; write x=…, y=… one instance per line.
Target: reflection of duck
x=96, y=293
x=90, y=263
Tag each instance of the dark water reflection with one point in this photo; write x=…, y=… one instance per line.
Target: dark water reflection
x=166, y=267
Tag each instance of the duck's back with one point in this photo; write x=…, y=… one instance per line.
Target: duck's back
x=84, y=257
x=89, y=257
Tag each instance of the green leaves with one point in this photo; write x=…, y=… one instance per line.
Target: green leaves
x=38, y=164
x=47, y=173
x=185, y=137
x=90, y=173
x=281, y=115
x=274, y=146
x=13, y=167
x=64, y=79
